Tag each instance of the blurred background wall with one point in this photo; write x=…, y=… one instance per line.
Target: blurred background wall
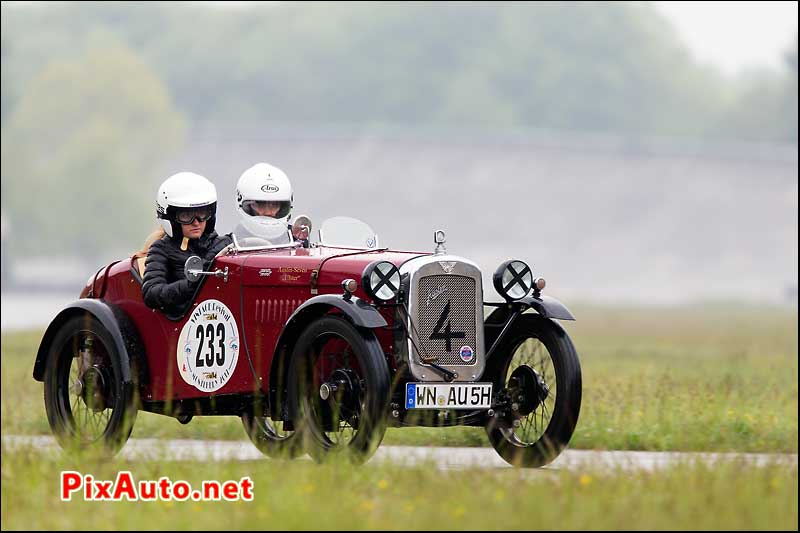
x=584, y=138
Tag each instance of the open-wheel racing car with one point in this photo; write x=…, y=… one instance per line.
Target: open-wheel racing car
x=319, y=347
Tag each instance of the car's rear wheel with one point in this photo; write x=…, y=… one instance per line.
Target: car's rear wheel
x=88, y=406
x=271, y=436
x=343, y=387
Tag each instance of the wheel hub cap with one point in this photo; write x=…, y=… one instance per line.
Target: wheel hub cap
x=342, y=393
x=528, y=390
x=93, y=388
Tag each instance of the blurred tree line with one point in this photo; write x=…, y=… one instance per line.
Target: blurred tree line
x=95, y=95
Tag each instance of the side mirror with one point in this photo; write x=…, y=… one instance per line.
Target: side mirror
x=192, y=268
x=301, y=228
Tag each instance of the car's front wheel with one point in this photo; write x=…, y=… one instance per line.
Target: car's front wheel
x=343, y=388
x=537, y=381
x=88, y=405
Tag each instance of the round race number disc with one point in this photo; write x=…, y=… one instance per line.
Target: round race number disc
x=208, y=346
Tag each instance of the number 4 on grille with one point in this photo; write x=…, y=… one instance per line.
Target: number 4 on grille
x=447, y=334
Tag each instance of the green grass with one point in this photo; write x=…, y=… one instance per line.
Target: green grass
x=711, y=378
x=705, y=379
x=304, y=495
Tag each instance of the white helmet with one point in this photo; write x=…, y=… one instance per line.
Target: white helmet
x=264, y=183
x=182, y=193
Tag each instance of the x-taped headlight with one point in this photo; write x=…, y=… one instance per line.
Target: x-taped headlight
x=513, y=279
x=381, y=280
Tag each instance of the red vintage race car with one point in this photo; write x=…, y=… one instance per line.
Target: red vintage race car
x=319, y=347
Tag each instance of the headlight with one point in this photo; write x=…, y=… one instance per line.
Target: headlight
x=381, y=280
x=513, y=279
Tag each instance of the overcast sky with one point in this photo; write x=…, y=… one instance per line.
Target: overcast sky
x=735, y=35
x=730, y=35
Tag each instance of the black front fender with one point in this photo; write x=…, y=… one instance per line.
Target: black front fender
x=119, y=325
x=548, y=307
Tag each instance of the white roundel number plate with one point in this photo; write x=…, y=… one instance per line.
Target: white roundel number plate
x=208, y=346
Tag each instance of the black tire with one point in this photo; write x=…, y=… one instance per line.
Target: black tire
x=88, y=406
x=270, y=438
x=535, y=355
x=351, y=422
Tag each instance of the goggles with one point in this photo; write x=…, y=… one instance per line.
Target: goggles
x=188, y=216
x=279, y=209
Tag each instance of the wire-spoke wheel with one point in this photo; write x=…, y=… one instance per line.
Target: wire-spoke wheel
x=537, y=380
x=88, y=405
x=343, y=387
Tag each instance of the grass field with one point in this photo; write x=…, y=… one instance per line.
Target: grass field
x=303, y=495
x=686, y=379
x=689, y=379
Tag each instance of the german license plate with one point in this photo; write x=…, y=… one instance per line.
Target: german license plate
x=448, y=395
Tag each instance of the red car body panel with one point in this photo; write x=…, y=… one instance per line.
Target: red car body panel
x=262, y=290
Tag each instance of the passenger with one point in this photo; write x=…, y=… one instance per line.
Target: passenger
x=186, y=206
x=264, y=203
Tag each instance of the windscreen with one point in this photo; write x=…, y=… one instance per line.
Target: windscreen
x=347, y=232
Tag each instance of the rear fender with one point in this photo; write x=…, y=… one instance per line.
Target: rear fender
x=126, y=338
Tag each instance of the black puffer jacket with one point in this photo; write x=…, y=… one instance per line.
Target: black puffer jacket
x=165, y=286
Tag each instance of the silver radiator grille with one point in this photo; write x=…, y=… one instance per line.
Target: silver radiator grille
x=446, y=319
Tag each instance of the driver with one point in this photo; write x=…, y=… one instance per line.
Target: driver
x=264, y=203
x=186, y=206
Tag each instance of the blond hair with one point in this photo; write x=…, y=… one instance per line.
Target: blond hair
x=148, y=242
